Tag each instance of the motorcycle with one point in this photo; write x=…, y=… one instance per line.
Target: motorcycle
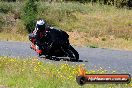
x=55, y=45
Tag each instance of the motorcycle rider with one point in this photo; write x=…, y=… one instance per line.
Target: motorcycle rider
x=44, y=36
x=38, y=34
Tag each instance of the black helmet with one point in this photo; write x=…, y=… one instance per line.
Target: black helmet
x=41, y=24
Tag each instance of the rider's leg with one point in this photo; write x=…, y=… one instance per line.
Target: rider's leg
x=38, y=49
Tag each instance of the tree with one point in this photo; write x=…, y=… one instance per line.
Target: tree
x=9, y=0
x=129, y=3
x=29, y=14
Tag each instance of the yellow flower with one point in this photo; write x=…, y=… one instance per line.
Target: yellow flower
x=92, y=71
x=12, y=60
x=35, y=69
x=131, y=84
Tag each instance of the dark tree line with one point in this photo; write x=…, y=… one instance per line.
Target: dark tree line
x=9, y=0
x=118, y=3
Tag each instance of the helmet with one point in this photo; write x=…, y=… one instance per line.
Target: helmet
x=40, y=24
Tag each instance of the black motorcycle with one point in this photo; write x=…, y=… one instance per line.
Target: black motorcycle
x=55, y=45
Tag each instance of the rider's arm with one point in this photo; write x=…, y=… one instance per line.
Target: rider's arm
x=37, y=37
x=35, y=31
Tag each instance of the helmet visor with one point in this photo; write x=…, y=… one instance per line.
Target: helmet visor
x=41, y=27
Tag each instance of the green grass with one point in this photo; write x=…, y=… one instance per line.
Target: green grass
x=32, y=73
x=13, y=37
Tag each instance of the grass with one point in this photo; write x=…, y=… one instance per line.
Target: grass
x=32, y=73
x=13, y=37
x=87, y=24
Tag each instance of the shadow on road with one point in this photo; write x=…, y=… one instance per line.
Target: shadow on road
x=61, y=59
x=64, y=59
x=68, y=60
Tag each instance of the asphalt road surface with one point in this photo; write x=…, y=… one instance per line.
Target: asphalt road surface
x=93, y=58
